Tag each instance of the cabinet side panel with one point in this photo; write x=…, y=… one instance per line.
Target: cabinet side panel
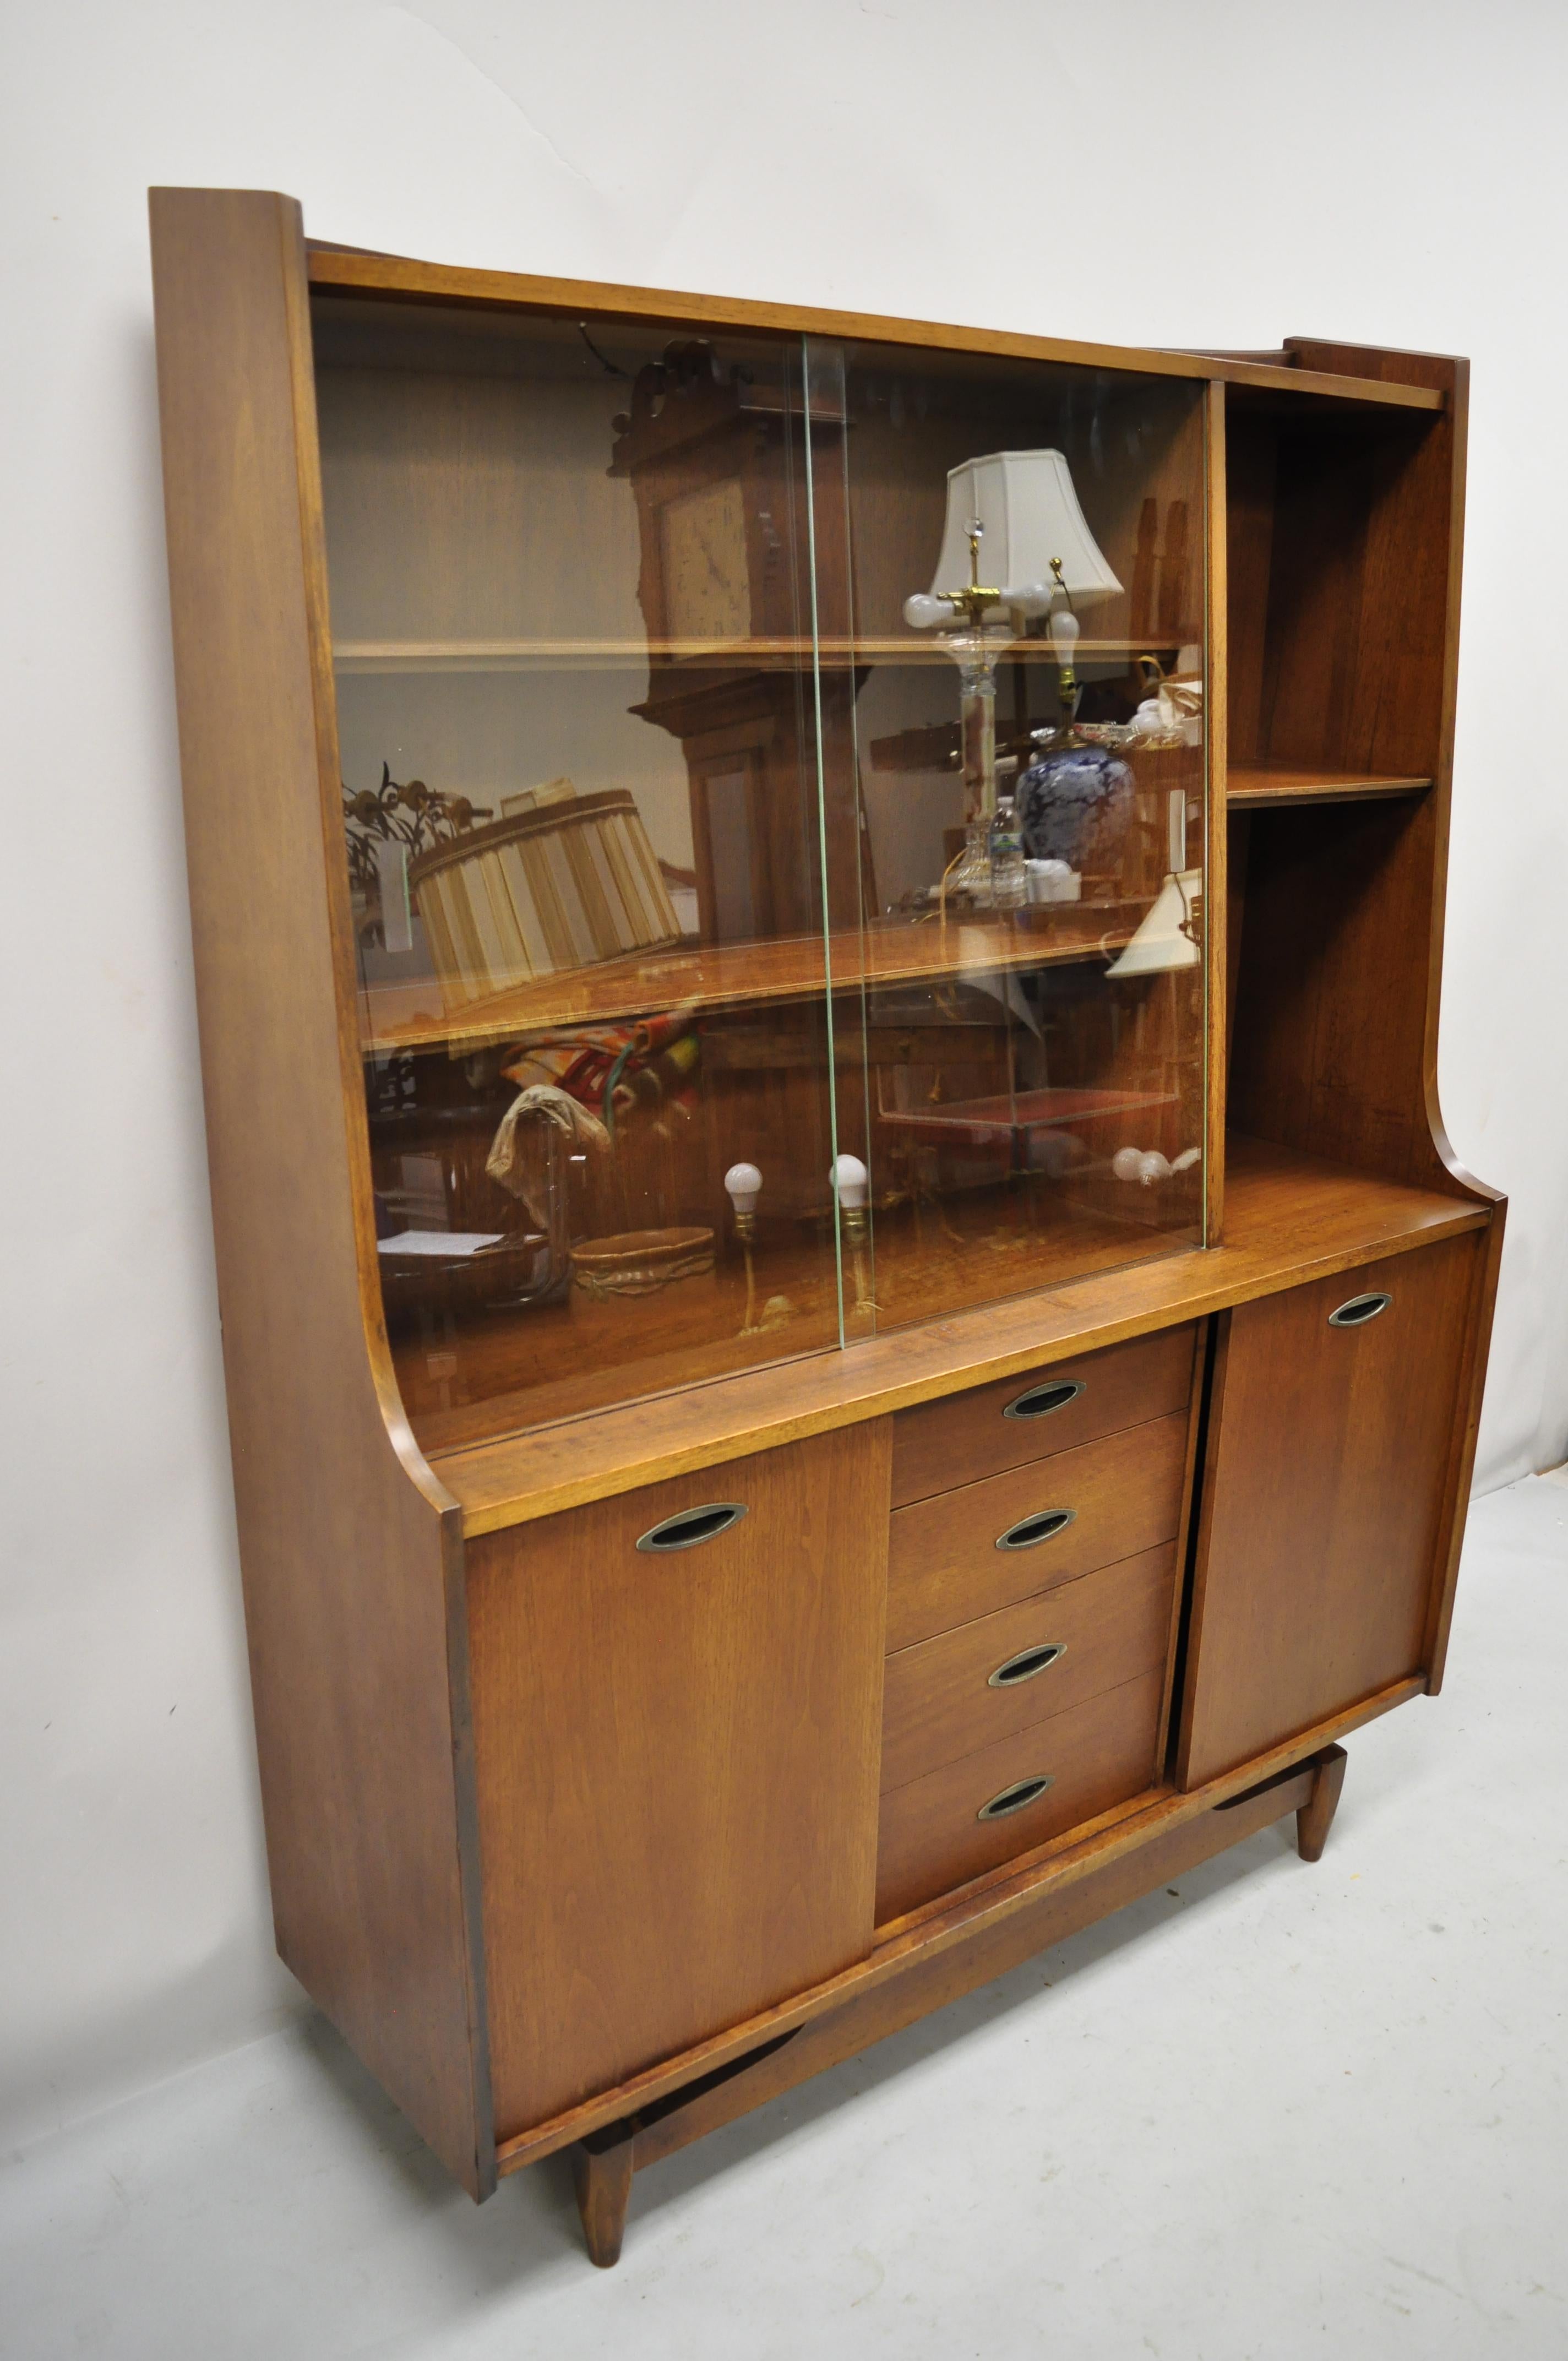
x=351, y=1562
x=677, y=1762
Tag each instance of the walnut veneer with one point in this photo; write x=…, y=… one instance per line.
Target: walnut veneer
x=584, y=1845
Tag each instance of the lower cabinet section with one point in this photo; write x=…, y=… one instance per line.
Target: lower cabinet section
x=676, y=1755
x=1005, y=1799
x=1334, y=1423
x=728, y=1727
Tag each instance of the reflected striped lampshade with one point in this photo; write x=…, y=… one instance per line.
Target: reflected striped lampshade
x=565, y=885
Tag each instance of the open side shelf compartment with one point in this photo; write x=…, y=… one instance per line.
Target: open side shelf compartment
x=1341, y=531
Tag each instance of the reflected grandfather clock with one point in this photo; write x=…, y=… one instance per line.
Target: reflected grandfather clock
x=716, y=463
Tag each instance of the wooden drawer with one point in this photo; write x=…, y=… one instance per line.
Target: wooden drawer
x=966, y=1436
x=967, y=1688
x=1095, y=1755
x=947, y=1564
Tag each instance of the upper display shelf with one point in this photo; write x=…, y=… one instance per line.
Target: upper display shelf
x=399, y=1017
x=785, y=654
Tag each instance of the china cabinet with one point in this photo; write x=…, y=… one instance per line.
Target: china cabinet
x=850, y=1335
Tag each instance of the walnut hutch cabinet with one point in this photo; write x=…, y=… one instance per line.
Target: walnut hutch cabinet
x=850, y=1335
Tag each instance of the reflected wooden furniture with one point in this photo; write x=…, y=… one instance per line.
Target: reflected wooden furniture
x=622, y=1770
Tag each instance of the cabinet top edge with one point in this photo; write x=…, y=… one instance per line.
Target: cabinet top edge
x=1289, y=1220
x=351, y=270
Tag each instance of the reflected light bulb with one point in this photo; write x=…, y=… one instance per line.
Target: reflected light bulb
x=921, y=611
x=852, y=1181
x=1063, y=631
x=744, y=1183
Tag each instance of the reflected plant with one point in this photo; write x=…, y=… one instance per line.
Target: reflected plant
x=414, y=816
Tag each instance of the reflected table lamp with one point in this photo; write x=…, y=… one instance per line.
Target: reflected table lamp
x=1022, y=506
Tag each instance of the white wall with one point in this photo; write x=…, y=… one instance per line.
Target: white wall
x=1201, y=174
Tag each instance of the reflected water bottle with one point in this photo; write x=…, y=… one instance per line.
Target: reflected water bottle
x=1009, y=878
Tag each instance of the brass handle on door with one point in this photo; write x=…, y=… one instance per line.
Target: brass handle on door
x=1025, y=1664
x=691, y=1526
x=1038, y=1401
x=1043, y=1526
x=1015, y=1799
x=1358, y=1311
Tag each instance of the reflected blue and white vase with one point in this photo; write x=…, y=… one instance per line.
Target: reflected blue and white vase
x=1076, y=804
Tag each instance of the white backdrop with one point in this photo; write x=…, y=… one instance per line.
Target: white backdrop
x=1213, y=173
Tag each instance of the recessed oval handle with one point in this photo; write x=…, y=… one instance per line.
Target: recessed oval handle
x=1043, y=1526
x=1025, y=1664
x=692, y=1526
x=1017, y=1798
x=1359, y=1311
x=1038, y=1401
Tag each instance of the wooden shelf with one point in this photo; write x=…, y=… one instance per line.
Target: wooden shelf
x=402, y=1016
x=1289, y=1219
x=1279, y=782
x=747, y=655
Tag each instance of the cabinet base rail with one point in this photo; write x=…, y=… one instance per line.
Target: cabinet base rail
x=606, y=2160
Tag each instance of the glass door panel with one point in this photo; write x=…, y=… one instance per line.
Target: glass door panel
x=1021, y=796
x=572, y=614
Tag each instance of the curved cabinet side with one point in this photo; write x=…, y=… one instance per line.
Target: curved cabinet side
x=350, y=1550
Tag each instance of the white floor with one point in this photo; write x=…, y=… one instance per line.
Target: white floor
x=1282, y=2111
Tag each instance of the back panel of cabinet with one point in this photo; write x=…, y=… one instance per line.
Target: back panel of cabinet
x=1324, y=1488
x=677, y=1761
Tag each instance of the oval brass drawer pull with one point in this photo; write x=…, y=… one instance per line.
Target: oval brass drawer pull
x=1029, y=1532
x=1038, y=1401
x=1022, y=1793
x=1359, y=1311
x=1026, y=1664
x=693, y=1525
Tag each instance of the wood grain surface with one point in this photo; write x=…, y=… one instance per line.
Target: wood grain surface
x=937, y=1702
x=950, y=1925
x=350, y=1551
x=399, y=275
x=931, y=1983
x=962, y=1437
x=1288, y=1217
x=1287, y=783
x=678, y=1763
x=1096, y=1755
x=944, y=1566
x=1322, y=1543
x=739, y=975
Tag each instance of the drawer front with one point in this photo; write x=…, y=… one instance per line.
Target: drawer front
x=931, y=1837
x=965, y=1689
x=947, y=1562
x=971, y=1435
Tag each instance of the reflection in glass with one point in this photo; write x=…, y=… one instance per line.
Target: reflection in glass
x=571, y=606
x=1031, y=1035
x=738, y=973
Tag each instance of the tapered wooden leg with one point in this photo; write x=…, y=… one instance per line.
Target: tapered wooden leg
x=1316, y=1815
x=601, y=2169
